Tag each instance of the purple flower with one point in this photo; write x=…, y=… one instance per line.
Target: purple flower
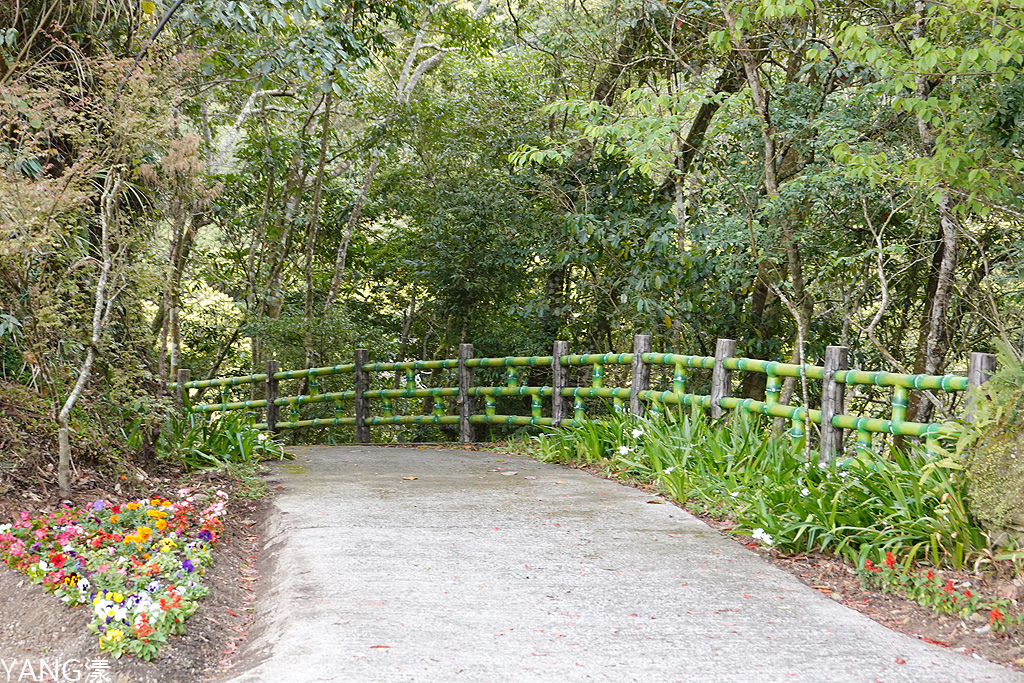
x=205, y=535
x=98, y=505
x=188, y=566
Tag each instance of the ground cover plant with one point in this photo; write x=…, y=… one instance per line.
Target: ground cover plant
x=138, y=565
x=908, y=505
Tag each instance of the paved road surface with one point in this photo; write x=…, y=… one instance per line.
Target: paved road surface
x=442, y=565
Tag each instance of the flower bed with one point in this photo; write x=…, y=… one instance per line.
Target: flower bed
x=137, y=564
x=945, y=597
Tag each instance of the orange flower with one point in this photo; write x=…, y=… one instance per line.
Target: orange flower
x=160, y=524
x=132, y=506
x=156, y=513
x=114, y=519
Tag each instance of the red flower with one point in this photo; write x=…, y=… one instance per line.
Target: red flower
x=930, y=576
x=57, y=560
x=870, y=566
x=948, y=588
x=968, y=593
x=890, y=561
x=994, y=615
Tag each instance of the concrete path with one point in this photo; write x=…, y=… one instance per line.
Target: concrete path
x=436, y=566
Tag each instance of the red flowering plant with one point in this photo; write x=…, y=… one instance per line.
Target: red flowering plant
x=138, y=563
x=925, y=588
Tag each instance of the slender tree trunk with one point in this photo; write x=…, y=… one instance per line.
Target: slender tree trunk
x=346, y=237
x=936, y=342
x=100, y=318
x=794, y=262
x=314, y=223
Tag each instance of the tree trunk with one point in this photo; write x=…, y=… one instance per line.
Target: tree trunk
x=314, y=222
x=350, y=226
x=936, y=341
x=102, y=308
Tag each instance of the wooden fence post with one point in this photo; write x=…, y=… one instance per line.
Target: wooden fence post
x=362, y=357
x=181, y=393
x=979, y=369
x=465, y=401
x=273, y=411
x=832, y=395
x=721, y=378
x=559, y=381
x=641, y=373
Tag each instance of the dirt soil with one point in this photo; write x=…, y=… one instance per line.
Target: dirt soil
x=37, y=630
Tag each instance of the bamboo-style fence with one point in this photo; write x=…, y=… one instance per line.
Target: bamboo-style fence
x=567, y=402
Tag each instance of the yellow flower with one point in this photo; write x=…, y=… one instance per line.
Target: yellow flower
x=160, y=524
x=112, y=636
x=132, y=506
x=114, y=519
x=156, y=513
x=116, y=597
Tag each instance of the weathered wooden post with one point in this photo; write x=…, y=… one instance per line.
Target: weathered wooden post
x=721, y=378
x=273, y=411
x=465, y=401
x=181, y=393
x=832, y=396
x=559, y=381
x=979, y=368
x=362, y=357
x=641, y=373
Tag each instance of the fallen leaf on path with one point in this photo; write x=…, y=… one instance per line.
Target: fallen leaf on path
x=376, y=647
x=410, y=478
x=655, y=502
x=942, y=644
x=509, y=474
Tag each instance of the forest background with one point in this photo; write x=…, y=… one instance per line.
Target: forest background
x=211, y=184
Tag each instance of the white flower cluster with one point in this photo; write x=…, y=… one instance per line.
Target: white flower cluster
x=763, y=536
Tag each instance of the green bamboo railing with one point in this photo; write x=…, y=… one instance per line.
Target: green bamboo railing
x=564, y=404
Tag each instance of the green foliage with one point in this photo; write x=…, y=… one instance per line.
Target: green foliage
x=912, y=504
x=226, y=439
